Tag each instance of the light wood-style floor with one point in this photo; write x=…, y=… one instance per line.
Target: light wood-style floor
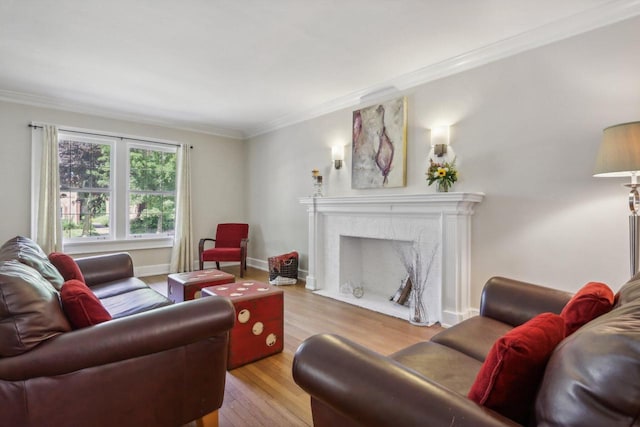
x=263, y=393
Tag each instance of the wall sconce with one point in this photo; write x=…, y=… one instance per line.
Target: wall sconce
x=440, y=140
x=337, y=155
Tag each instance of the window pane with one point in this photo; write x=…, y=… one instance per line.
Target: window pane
x=84, y=164
x=84, y=214
x=151, y=214
x=151, y=170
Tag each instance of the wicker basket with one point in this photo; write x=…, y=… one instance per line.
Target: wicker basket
x=283, y=269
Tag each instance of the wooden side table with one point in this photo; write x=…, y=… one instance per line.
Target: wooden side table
x=259, y=328
x=187, y=286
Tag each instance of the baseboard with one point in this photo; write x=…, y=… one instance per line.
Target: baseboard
x=264, y=266
x=155, y=270
x=258, y=263
x=474, y=312
x=450, y=318
x=151, y=270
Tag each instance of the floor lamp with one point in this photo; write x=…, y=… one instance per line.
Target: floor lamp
x=619, y=156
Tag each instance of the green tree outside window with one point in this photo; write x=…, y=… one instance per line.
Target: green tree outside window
x=152, y=189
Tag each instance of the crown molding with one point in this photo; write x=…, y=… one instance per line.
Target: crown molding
x=599, y=16
x=596, y=17
x=56, y=104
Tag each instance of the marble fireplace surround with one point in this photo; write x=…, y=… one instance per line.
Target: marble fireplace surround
x=438, y=225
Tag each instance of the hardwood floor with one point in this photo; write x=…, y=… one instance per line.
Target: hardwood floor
x=263, y=393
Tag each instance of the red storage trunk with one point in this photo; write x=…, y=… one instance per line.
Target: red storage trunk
x=187, y=286
x=259, y=328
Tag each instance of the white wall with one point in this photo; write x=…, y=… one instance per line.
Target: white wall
x=217, y=180
x=526, y=131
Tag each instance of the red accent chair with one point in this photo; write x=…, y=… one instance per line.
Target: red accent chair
x=230, y=245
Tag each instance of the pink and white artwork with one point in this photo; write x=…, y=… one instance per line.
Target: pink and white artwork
x=379, y=153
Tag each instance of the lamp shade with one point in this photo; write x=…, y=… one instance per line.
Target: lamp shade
x=337, y=152
x=440, y=135
x=619, y=153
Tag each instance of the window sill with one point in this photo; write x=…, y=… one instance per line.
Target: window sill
x=95, y=246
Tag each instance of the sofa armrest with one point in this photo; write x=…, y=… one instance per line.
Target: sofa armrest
x=515, y=302
x=125, y=338
x=373, y=390
x=105, y=268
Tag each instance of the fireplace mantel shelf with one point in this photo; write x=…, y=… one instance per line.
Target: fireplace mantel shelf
x=435, y=202
x=435, y=220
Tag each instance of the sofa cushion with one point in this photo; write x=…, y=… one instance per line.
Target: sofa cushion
x=30, y=310
x=117, y=287
x=133, y=302
x=81, y=306
x=28, y=252
x=222, y=254
x=66, y=266
x=593, y=376
x=473, y=337
x=441, y=364
x=513, y=369
x=593, y=300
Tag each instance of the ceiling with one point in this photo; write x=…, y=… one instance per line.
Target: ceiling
x=243, y=67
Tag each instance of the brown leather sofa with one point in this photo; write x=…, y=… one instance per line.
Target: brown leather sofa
x=153, y=364
x=591, y=379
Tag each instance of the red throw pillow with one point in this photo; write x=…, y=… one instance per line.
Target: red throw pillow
x=81, y=305
x=593, y=300
x=66, y=266
x=509, y=378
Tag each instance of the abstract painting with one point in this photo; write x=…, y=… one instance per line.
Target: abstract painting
x=379, y=153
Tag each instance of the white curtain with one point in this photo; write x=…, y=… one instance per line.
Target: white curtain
x=48, y=231
x=182, y=254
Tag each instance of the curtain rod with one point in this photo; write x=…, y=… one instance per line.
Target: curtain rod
x=31, y=125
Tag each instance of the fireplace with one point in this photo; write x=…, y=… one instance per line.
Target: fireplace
x=358, y=241
x=372, y=269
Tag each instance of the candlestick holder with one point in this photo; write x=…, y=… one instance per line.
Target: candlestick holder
x=317, y=186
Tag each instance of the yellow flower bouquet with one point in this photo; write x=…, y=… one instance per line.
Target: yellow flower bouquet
x=445, y=174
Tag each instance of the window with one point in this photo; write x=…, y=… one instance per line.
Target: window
x=86, y=187
x=115, y=190
x=152, y=191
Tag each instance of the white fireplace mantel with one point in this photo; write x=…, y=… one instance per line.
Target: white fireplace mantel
x=445, y=216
